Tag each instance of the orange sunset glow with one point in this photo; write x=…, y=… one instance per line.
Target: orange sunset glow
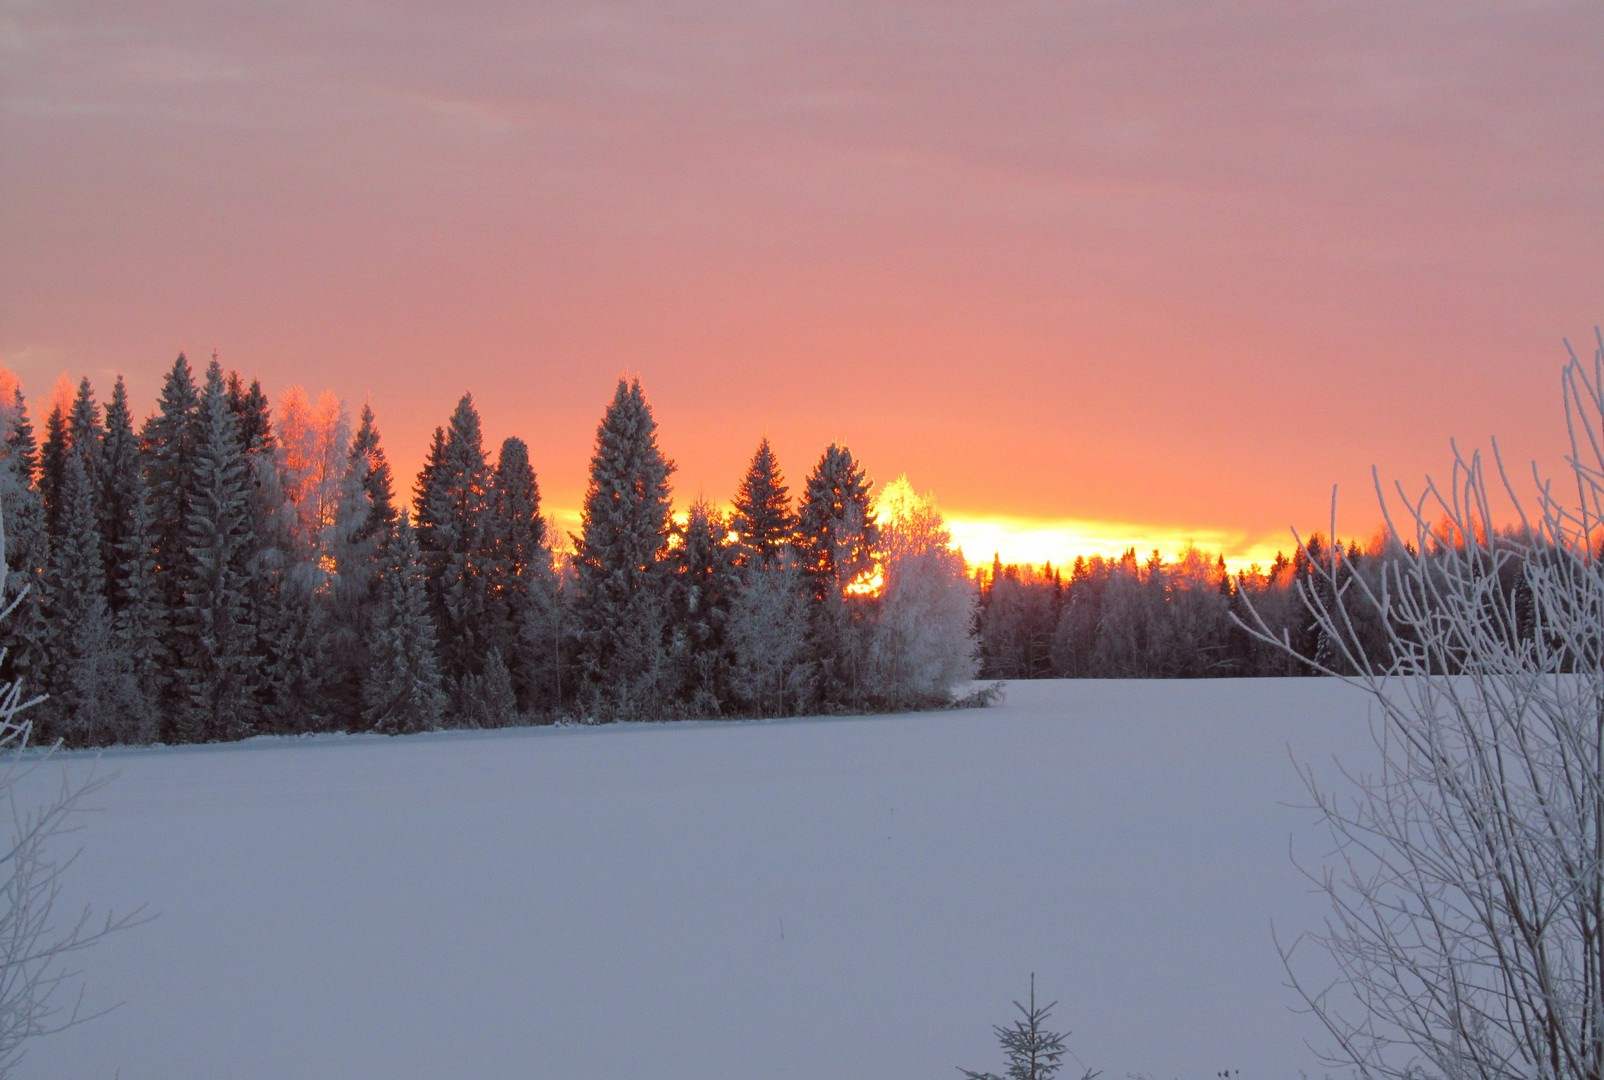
x=1097, y=276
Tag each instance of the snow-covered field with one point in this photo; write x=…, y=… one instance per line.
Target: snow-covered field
x=837, y=898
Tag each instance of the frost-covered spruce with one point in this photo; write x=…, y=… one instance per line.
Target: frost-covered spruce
x=85, y=432
x=762, y=515
x=22, y=634
x=169, y=439
x=253, y=413
x=121, y=489
x=453, y=502
x=52, y=468
x=286, y=579
x=75, y=615
x=215, y=629
x=95, y=699
x=356, y=543
x=703, y=589
x=401, y=689
x=541, y=658
x=837, y=539
x=487, y=700
x=836, y=531
x=622, y=578
x=126, y=542
x=517, y=537
x=767, y=638
x=520, y=566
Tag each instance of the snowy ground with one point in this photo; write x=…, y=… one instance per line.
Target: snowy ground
x=842, y=898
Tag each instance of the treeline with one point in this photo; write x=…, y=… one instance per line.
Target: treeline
x=1132, y=618
x=224, y=572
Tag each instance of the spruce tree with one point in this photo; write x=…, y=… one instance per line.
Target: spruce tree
x=85, y=432
x=367, y=463
x=767, y=636
x=543, y=656
x=125, y=544
x=253, y=415
x=453, y=514
x=621, y=573
x=218, y=657
x=486, y=700
x=762, y=519
x=168, y=455
x=23, y=632
x=138, y=622
x=520, y=562
x=53, y=468
x=120, y=486
x=1034, y=1052
x=423, y=492
x=364, y=520
x=401, y=689
x=91, y=681
x=169, y=437
x=836, y=532
x=287, y=582
x=252, y=411
x=837, y=541
x=703, y=590
x=19, y=441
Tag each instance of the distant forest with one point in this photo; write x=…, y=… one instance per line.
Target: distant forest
x=228, y=570
x=1135, y=618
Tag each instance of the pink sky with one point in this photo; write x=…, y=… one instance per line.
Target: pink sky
x=1172, y=266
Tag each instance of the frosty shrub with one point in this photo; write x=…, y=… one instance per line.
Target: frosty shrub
x=35, y=946
x=1466, y=883
x=924, y=644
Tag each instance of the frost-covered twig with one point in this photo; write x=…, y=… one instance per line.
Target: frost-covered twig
x=1467, y=878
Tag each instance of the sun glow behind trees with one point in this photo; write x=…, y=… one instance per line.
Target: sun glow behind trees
x=310, y=426
x=1037, y=541
x=1021, y=541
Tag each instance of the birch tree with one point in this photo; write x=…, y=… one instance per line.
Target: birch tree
x=36, y=943
x=1466, y=887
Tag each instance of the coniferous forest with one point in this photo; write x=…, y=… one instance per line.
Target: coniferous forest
x=223, y=571
x=1133, y=618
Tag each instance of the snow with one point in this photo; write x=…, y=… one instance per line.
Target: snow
x=859, y=897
